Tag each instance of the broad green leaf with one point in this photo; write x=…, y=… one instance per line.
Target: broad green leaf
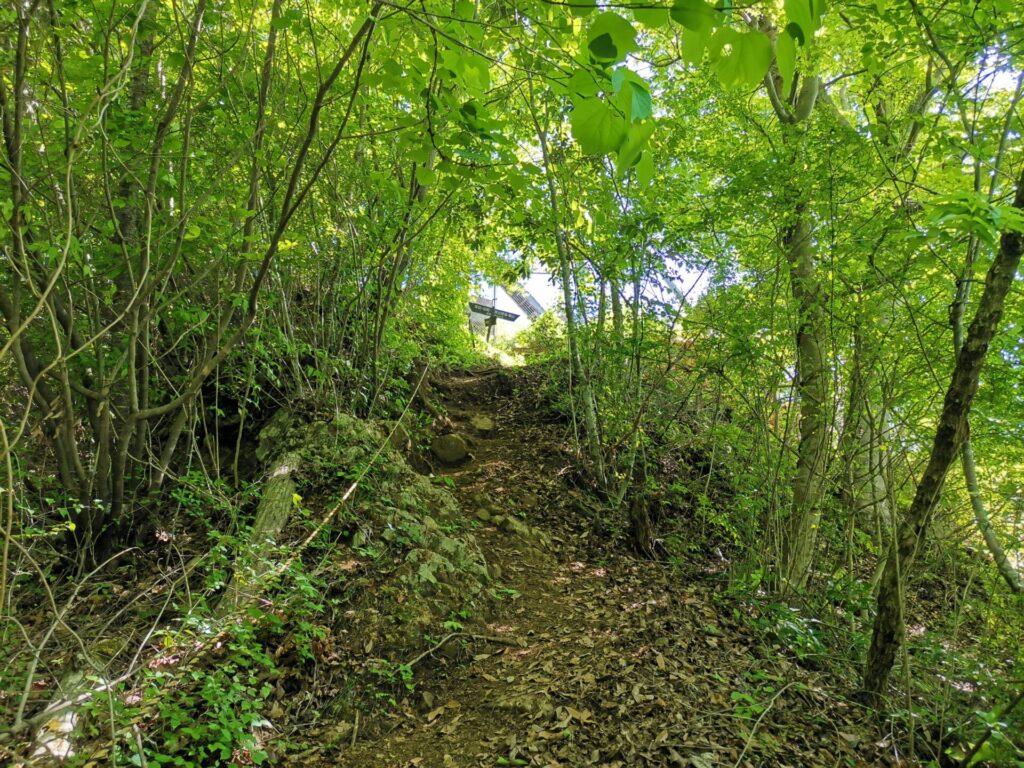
x=785, y=57
x=618, y=78
x=740, y=58
x=289, y=17
x=610, y=38
x=694, y=41
x=471, y=70
x=651, y=17
x=694, y=14
x=623, y=103
x=645, y=169
x=582, y=7
x=806, y=14
x=794, y=31
x=598, y=127
x=425, y=176
x=623, y=75
x=640, y=102
x=603, y=47
x=517, y=182
x=419, y=152
x=632, y=94
x=583, y=83
x=799, y=12
x=636, y=140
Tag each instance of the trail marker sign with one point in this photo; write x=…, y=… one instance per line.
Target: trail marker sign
x=483, y=309
x=491, y=315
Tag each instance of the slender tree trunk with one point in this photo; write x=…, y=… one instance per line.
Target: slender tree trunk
x=813, y=391
x=602, y=312
x=812, y=376
x=617, y=322
x=575, y=359
x=1005, y=567
x=582, y=381
x=949, y=438
x=865, y=490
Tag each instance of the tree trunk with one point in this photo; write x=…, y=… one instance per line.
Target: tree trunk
x=812, y=376
x=949, y=439
x=641, y=531
x=1005, y=567
x=581, y=380
x=272, y=515
x=617, y=322
x=813, y=391
x=865, y=489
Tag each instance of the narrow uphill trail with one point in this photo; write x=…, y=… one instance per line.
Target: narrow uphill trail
x=594, y=657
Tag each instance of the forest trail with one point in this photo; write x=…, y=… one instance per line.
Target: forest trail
x=596, y=658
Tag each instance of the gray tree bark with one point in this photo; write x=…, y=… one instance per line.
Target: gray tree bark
x=887, y=634
x=812, y=380
x=1003, y=565
x=865, y=490
x=813, y=390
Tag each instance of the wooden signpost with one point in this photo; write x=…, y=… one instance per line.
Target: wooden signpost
x=491, y=315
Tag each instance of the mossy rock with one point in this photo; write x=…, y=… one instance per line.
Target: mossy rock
x=451, y=449
x=484, y=425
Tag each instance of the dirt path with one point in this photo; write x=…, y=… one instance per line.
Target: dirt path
x=606, y=662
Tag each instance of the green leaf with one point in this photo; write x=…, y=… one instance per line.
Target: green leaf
x=583, y=83
x=426, y=177
x=740, y=58
x=618, y=78
x=806, y=14
x=640, y=103
x=645, y=169
x=785, y=57
x=636, y=140
x=694, y=41
x=635, y=99
x=582, y=7
x=597, y=127
x=419, y=153
x=695, y=15
x=610, y=38
x=799, y=12
x=425, y=574
x=603, y=47
x=651, y=17
x=472, y=71
x=287, y=19
x=794, y=31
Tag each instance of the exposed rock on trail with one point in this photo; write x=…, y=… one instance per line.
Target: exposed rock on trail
x=451, y=449
x=596, y=658
x=484, y=425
